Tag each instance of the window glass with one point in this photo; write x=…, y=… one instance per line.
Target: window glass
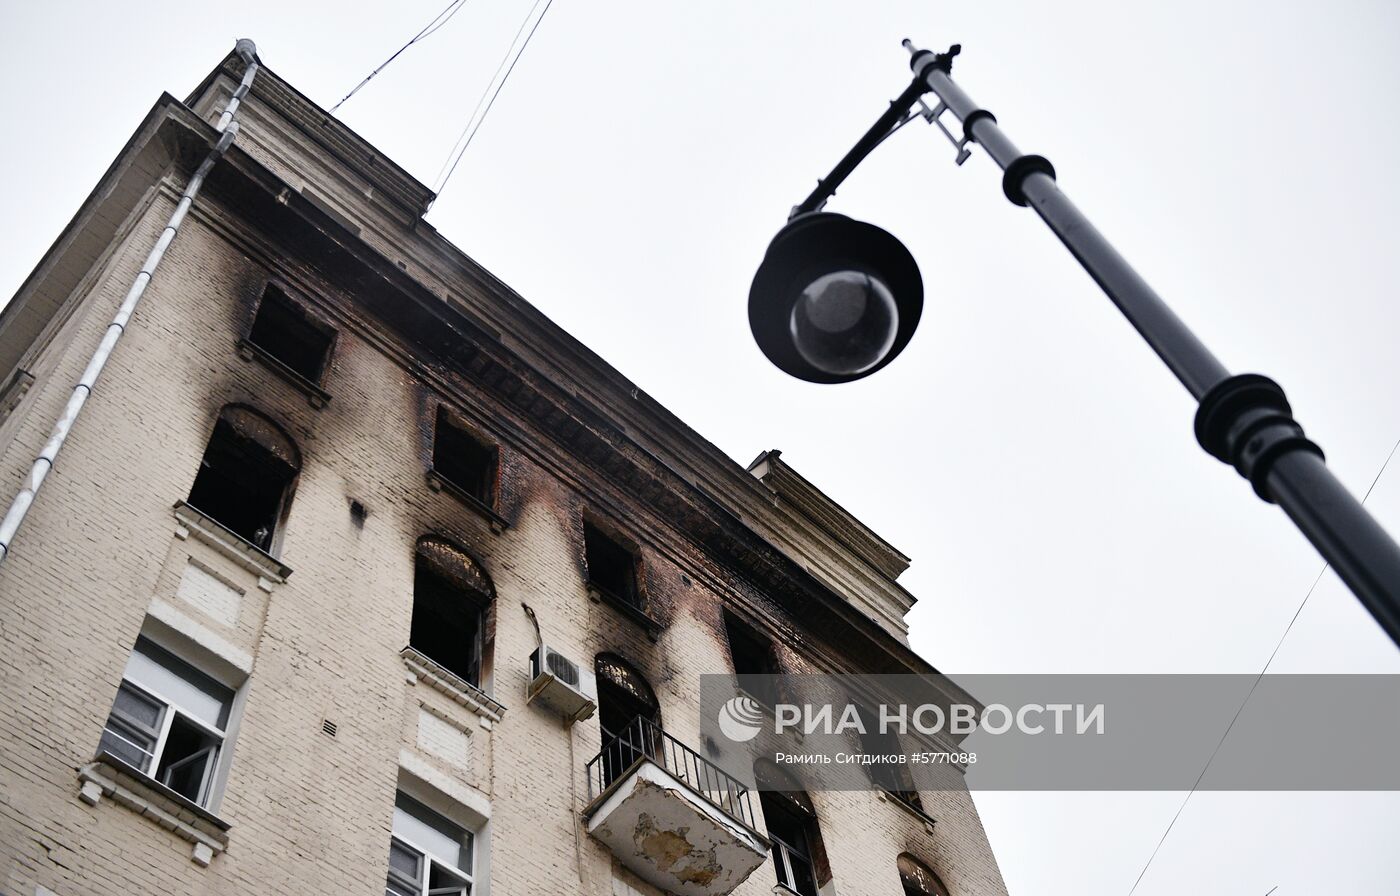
x=178, y=682
x=133, y=727
x=139, y=708
x=187, y=762
x=432, y=833
x=399, y=888
x=442, y=882
x=405, y=861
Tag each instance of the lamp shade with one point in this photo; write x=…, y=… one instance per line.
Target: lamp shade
x=835, y=299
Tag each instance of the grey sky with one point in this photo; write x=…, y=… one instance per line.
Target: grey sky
x=1027, y=450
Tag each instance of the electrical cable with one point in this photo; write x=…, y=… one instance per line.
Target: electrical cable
x=438, y=21
x=1257, y=679
x=470, y=131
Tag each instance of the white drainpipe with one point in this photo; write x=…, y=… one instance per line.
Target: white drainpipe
x=228, y=128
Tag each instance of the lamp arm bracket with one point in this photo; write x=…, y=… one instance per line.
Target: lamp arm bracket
x=894, y=118
x=935, y=116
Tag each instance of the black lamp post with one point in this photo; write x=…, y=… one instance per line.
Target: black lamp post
x=835, y=300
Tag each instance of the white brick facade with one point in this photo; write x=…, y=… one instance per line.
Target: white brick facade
x=104, y=557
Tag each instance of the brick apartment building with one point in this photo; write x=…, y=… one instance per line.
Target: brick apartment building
x=356, y=572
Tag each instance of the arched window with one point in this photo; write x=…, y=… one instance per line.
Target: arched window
x=799, y=858
x=245, y=477
x=451, y=594
x=628, y=714
x=917, y=878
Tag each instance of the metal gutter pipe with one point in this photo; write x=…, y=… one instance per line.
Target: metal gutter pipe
x=39, y=471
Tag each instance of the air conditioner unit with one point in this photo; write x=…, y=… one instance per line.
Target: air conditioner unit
x=558, y=682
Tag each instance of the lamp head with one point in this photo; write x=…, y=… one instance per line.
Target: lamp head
x=835, y=299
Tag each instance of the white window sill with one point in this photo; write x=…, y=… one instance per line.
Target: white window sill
x=110, y=777
x=229, y=543
x=454, y=686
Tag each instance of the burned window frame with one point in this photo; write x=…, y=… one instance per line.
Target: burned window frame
x=244, y=438
x=895, y=779
x=778, y=790
x=483, y=495
x=758, y=683
x=636, y=607
x=445, y=571
x=277, y=299
x=916, y=878
x=622, y=684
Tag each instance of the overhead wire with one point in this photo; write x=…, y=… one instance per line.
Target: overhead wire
x=437, y=22
x=474, y=122
x=1267, y=663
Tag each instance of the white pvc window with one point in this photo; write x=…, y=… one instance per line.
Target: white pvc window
x=428, y=855
x=168, y=721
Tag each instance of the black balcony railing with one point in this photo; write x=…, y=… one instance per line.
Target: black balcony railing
x=643, y=740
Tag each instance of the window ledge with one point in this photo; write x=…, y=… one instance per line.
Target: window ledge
x=251, y=351
x=109, y=776
x=598, y=593
x=453, y=685
x=240, y=550
x=439, y=483
x=901, y=802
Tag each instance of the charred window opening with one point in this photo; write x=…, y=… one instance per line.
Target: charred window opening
x=894, y=778
x=792, y=828
x=464, y=461
x=623, y=697
x=612, y=568
x=283, y=331
x=799, y=856
x=754, y=660
x=451, y=594
x=246, y=474
x=918, y=879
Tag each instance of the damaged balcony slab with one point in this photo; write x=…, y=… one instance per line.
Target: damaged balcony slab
x=673, y=818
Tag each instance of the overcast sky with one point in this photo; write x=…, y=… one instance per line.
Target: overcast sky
x=1027, y=450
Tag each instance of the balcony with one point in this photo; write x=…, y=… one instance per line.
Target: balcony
x=670, y=815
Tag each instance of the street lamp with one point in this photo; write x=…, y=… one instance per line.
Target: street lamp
x=836, y=299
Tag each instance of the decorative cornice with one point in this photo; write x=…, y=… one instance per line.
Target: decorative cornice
x=390, y=180
x=833, y=520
